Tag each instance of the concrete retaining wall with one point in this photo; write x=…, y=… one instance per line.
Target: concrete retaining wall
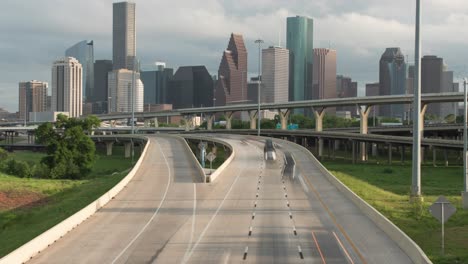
x=413, y=251
x=41, y=242
x=223, y=166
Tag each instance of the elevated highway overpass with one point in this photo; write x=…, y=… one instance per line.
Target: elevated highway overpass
x=251, y=213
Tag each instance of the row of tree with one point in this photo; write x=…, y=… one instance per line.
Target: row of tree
x=70, y=153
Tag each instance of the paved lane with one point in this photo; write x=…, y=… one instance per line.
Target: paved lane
x=251, y=213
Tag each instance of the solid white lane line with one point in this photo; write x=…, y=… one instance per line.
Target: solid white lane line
x=344, y=249
x=212, y=218
x=157, y=210
x=194, y=212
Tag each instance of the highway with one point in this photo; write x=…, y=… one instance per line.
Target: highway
x=251, y=213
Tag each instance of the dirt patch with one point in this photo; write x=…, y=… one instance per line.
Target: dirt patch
x=24, y=199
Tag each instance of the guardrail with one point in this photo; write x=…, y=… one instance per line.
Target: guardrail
x=228, y=161
x=414, y=252
x=47, y=238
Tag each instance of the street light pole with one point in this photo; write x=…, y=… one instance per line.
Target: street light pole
x=259, y=42
x=465, y=148
x=417, y=122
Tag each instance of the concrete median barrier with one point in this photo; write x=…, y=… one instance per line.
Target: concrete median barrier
x=41, y=242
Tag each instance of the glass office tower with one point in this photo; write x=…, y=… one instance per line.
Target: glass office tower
x=299, y=42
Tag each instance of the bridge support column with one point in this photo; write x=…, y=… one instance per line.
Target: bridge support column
x=434, y=156
x=228, y=116
x=364, y=111
x=284, y=116
x=189, y=124
x=374, y=150
x=253, y=115
x=156, y=122
x=112, y=123
x=146, y=123
x=390, y=153
x=109, y=146
x=209, y=121
x=128, y=149
x=446, y=157
x=402, y=154
x=319, y=113
x=353, y=151
x=423, y=112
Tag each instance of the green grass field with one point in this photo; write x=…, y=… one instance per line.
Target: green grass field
x=60, y=198
x=387, y=189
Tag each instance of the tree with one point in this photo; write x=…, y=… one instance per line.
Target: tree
x=70, y=153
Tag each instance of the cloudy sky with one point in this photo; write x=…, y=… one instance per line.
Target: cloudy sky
x=195, y=32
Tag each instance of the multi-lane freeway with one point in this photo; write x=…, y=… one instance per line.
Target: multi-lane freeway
x=252, y=213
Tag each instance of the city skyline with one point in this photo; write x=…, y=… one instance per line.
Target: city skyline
x=201, y=46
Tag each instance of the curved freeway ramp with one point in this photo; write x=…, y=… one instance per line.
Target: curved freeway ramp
x=251, y=213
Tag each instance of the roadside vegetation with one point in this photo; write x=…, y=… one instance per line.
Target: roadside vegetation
x=30, y=206
x=387, y=188
x=39, y=190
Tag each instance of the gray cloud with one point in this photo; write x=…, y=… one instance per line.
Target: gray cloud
x=186, y=32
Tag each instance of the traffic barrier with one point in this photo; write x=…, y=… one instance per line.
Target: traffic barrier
x=414, y=252
x=226, y=163
x=47, y=238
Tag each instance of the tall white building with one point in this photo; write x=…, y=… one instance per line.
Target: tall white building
x=120, y=91
x=67, y=87
x=275, y=75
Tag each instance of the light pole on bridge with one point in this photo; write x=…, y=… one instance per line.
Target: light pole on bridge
x=417, y=122
x=259, y=42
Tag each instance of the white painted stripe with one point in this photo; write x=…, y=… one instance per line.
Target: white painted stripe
x=155, y=213
x=344, y=249
x=212, y=218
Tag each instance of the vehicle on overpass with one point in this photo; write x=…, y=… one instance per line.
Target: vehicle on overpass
x=269, y=150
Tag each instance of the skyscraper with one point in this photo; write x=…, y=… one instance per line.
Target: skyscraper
x=373, y=89
x=191, y=86
x=392, y=78
x=32, y=98
x=67, y=86
x=156, y=84
x=299, y=42
x=275, y=75
x=346, y=88
x=124, y=36
x=120, y=91
x=84, y=52
x=436, y=79
x=324, y=74
x=99, y=96
x=232, y=73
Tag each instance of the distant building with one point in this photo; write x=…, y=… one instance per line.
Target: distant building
x=67, y=86
x=275, y=75
x=156, y=85
x=231, y=87
x=99, y=96
x=324, y=76
x=299, y=42
x=436, y=79
x=84, y=52
x=120, y=91
x=45, y=116
x=124, y=36
x=346, y=88
x=373, y=89
x=252, y=90
x=392, y=79
x=191, y=86
x=32, y=98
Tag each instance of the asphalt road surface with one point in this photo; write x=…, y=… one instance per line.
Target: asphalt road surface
x=252, y=213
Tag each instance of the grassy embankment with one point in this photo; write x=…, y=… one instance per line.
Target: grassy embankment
x=387, y=189
x=58, y=198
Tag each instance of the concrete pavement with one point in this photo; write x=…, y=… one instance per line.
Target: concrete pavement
x=250, y=213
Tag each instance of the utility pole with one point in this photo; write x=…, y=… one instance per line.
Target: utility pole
x=259, y=42
x=465, y=148
x=417, y=122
